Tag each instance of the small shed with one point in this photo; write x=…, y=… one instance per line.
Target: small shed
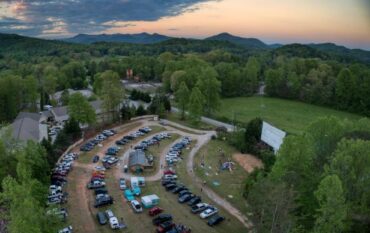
x=137, y=161
x=137, y=182
x=150, y=201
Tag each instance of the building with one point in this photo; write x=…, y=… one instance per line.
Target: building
x=60, y=114
x=58, y=95
x=137, y=161
x=30, y=126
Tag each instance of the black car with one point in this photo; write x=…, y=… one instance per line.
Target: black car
x=101, y=191
x=195, y=200
x=185, y=198
x=96, y=159
x=167, y=181
x=215, y=220
x=161, y=219
x=102, y=219
x=120, y=142
x=103, y=201
x=169, y=187
x=179, y=188
x=184, y=192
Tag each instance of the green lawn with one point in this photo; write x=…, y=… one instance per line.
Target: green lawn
x=175, y=117
x=291, y=116
x=227, y=184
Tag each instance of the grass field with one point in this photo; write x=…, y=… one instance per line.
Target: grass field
x=228, y=185
x=291, y=116
x=175, y=117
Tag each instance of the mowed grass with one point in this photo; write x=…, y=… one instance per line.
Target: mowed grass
x=231, y=224
x=227, y=184
x=291, y=116
x=176, y=117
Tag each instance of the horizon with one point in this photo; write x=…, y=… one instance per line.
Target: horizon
x=285, y=22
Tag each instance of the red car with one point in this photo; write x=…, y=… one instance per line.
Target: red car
x=155, y=210
x=98, y=176
x=169, y=172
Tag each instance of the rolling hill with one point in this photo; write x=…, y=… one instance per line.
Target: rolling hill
x=251, y=43
x=141, y=38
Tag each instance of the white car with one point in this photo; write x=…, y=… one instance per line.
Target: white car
x=66, y=230
x=208, y=212
x=113, y=222
x=136, y=206
x=100, y=168
x=109, y=214
x=168, y=176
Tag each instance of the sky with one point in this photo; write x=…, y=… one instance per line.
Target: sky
x=345, y=22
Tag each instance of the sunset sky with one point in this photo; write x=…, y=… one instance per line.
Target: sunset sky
x=345, y=22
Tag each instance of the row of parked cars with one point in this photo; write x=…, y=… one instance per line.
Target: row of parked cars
x=128, y=138
x=155, y=140
x=175, y=152
x=108, y=216
x=56, y=195
x=204, y=210
x=90, y=145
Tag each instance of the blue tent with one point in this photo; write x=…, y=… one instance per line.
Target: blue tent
x=128, y=195
x=136, y=191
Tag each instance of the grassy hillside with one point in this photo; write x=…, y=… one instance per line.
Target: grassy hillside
x=290, y=116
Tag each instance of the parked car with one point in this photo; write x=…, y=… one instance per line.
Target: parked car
x=103, y=201
x=113, y=222
x=102, y=219
x=100, y=168
x=101, y=191
x=185, y=198
x=166, y=182
x=208, y=212
x=170, y=186
x=96, y=159
x=165, y=227
x=215, y=220
x=199, y=208
x=155, y=211
x=136, y=206
x=161, y=218
x=194, y=200
x=95, y=184
x=184, y=192
x=179, y=188
x=122, y=184
x=66, y=230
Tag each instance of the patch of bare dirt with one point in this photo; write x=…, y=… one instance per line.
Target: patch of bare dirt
x=248, y=162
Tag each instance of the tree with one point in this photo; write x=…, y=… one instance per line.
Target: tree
x=112, y=92
x=345, y=88
x=177, y=78
x=210, y=87
x=196, y=103
x=332, y=207
x=272, y=205
x=140, y=111
x=80, y=109
x=253, y=135
x=31, y=91
x=182, y=98
x=250, y=76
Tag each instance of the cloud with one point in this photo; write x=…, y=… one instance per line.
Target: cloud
x=38, y=17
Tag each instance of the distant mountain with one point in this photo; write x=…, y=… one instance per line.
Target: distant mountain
x=345, y=53
x=141, y=38
x=245, y=42
x=300, y=50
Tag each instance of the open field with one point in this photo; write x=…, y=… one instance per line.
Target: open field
x=291, y=116
x=227, y=184
x=175, y=117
